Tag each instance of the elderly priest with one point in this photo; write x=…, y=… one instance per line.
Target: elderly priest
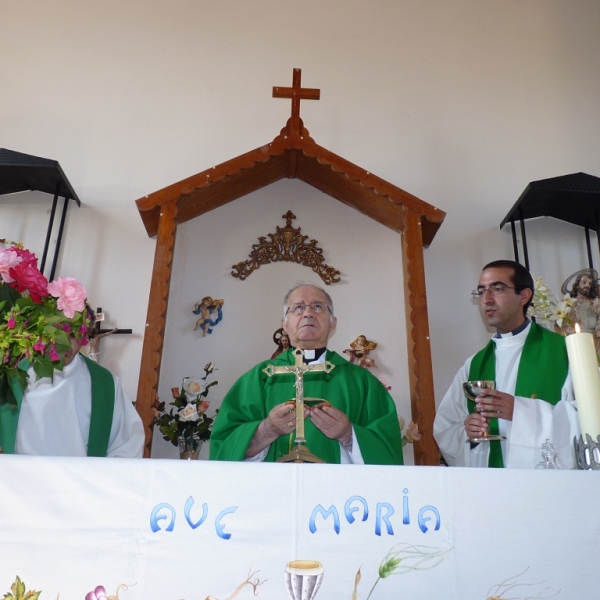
x=356, y=422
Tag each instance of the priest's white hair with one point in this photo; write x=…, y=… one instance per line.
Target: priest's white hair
x=299, y=285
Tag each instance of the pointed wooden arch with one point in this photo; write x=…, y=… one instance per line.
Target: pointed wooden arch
x=293, y=154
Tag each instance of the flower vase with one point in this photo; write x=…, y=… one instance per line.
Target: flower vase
x=189, y=448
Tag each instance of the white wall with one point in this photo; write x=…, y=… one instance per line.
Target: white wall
x=460, y=102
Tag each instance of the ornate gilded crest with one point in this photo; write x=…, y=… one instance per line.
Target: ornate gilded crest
x=287, y=244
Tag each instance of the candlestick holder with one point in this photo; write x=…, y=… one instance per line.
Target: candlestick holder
x=587, y=453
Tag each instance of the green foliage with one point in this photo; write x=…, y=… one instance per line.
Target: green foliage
x=7, y=396
x=43, y=367
x=404, y=557
x=387, y=568
x=8, y=296
x=19, y=592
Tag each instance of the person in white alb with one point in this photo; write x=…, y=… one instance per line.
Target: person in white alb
x=56, y=419
x=533, y=400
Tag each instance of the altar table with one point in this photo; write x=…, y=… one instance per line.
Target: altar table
x=192, y=530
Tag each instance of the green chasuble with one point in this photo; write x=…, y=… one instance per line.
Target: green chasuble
x=542, y=372
x=103, y=404
x=349, y=388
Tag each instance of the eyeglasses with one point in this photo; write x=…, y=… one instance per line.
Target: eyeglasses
x=493, y=290
x=300, y=307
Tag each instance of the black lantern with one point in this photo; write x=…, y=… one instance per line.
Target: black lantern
x=573, y=198
x=23, y=172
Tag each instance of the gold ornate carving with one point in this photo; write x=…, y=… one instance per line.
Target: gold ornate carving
x=289, y=245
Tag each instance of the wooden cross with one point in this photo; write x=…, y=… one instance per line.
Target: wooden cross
x=300, y=452
x=114, y=330
x=296, y=93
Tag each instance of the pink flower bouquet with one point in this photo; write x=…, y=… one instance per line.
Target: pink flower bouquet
x=36, y=320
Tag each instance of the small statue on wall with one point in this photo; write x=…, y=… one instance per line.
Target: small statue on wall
x=282, y=339
x=359, y=352
x=206, y=309
x=585, y=309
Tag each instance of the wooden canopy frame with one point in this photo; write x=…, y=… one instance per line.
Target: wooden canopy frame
x=293, y=154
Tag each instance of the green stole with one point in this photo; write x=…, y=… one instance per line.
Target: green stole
x=103, y=404
x=542, y=371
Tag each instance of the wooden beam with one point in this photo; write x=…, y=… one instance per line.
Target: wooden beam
x=420, y=372
x=155, y=320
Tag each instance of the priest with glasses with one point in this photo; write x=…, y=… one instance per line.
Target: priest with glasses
x=355, y=423
x=533, y=400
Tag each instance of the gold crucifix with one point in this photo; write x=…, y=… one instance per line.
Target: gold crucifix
x=296, y=93
x=300, y=453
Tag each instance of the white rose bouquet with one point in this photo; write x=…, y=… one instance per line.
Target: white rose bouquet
x=188, y=418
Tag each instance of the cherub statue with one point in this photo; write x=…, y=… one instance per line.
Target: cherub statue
x=206, y=307
x=359, y=351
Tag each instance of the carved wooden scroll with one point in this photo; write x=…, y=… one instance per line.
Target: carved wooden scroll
x=289, y=245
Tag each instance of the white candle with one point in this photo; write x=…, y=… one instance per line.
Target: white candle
x=586, y=381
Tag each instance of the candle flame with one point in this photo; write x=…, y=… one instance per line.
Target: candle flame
x=577, y=328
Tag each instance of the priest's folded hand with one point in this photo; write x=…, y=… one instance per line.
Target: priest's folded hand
x=281, y=420
x=332, y=422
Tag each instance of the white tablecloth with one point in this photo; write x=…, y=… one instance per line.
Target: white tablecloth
x=173, y=530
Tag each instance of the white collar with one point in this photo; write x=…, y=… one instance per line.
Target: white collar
x=508, y=340
x=319, y=361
